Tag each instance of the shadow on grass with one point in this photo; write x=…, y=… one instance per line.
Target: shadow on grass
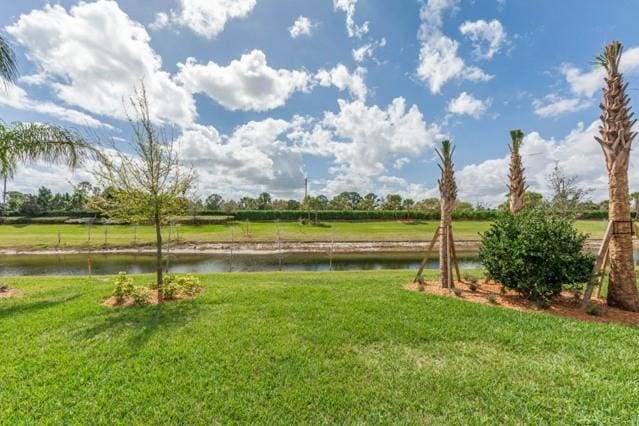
x=140, y=323
x=26, y=308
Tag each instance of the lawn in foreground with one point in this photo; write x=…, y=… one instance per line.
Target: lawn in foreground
x=348, y=347
x=46, y=236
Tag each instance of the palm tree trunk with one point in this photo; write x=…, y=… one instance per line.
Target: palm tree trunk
x=158, y=255
x=622, y=287
x=4, y=192
x=444, y=249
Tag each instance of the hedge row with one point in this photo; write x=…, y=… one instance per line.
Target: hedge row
x=206, y=216
x=350, y=215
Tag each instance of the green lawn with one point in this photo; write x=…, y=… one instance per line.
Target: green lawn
x=46, y=236
x=290, y=348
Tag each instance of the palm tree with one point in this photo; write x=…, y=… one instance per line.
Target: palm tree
x=616, y=138
x=28, y=142
x=517, y=182
x=448, y=194
x=8, y=69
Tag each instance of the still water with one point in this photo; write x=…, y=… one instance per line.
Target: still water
x=17, y=265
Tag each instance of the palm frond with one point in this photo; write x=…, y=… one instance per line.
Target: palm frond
x=517, y=137
x=28, y=142
x=8, y=68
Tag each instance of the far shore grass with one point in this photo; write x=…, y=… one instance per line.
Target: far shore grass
x=304, y=348
x=70, y=236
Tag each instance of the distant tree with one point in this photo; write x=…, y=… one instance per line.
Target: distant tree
x=408, y=204
x=264, y=201
x=293, y=205
x=214, y=202
x=30, y=207
x=44, y=198
x=393, y=202
x=346, y=201
x=565, y=196
x=150, y=185
x=533, y=199
x=461, y=206
x=247, y=203
x=15, y=200
x=230, y=206
x=315, y=203
x=369, y=202
x=428, y=204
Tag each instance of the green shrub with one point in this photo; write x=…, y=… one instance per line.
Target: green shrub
x=189, y=284
x=535, y=254
x=123, y=287
x=141, y=295
x=174, y=285
x=170, y=287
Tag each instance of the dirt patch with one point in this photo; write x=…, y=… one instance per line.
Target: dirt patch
x=565, y=305
x=112, y=302
x=12, y=292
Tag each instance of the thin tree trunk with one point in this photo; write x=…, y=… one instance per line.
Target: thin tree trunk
x=622, y=287
x=444, y=260
x=158, y=256
x=4, y=192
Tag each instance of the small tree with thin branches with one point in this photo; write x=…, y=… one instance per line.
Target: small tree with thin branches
x=516, y=179
x=147, y=184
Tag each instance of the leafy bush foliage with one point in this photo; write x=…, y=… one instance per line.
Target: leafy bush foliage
x=141, y=295
x=123, y=287
x=535, y=254
x=175, y=285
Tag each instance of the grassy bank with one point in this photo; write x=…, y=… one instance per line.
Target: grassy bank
x=48, y=236
x=305, y=348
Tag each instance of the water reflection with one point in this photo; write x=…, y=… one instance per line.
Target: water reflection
x=18, y=265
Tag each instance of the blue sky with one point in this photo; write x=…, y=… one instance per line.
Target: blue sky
x=258, y=106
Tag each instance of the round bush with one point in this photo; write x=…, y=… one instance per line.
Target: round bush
x=535, y=254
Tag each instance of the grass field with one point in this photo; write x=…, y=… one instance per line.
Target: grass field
x=290, y=348
x=46, y=236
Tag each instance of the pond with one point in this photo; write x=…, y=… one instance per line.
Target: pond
x=77, y=264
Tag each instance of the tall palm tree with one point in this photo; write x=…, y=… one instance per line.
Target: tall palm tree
x=516, y=180
x=448, y=196
x=28, y=142
x=616, y=138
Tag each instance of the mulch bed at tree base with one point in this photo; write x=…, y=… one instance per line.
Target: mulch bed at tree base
x=12, y=292
x=112, y=302
x=564, y=305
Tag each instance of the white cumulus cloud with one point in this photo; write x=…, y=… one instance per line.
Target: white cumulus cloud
x=206, y=18
x=245, y=84
x=348, y=7
x=301, y=26
x=467, y=104
x=16, y=97
x=93, y=56
x=439, y=61
x=343, y=79
x=488, y=37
